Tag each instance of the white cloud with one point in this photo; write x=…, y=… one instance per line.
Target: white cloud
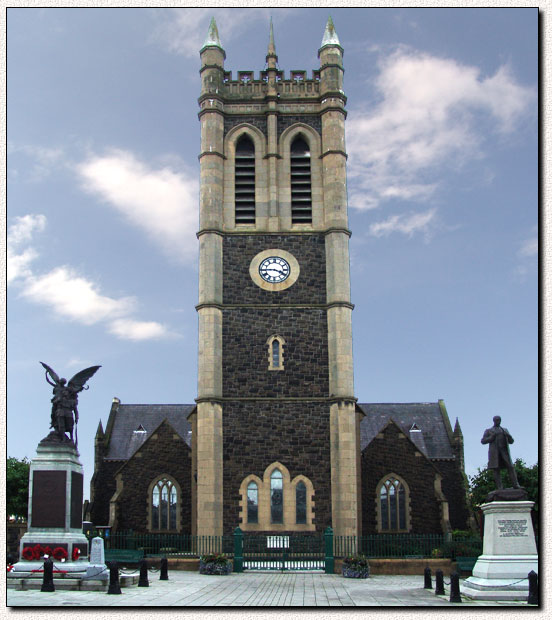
x=129, y=329
x=21, y=231
x=405, y=224
x=68, y=294
x=73, y=297
x=163, y=203
x=183, y=31
x=24, y=227
x=428, y=119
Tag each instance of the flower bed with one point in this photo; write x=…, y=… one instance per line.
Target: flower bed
x=215, y=564
x=356, y=567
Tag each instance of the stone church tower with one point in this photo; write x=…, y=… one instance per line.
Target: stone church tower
x=276, y=442
x=275, y=433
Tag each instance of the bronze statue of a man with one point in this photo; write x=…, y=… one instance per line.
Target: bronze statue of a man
x=499, y=439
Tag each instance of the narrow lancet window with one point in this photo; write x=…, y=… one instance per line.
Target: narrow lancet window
x=276, y=497
x=300, y=168
x=300, y=503
x=276, y=352
x=252, y=503
x=244, y=185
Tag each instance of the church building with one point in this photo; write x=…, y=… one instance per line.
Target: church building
x=276, y=441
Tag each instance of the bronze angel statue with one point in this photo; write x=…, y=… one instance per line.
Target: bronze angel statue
x=65, y=400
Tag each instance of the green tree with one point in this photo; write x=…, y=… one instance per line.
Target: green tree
x=17, y=486
x=483, y=483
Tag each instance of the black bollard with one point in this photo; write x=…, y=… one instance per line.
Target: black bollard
x=48, y=578
x=164, y=572
x=439, y=584
x=427, y=578
x=143, y=582
x=455, y=589
x=114, y=586
x=533, y=598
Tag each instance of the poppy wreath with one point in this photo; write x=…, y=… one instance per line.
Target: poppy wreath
x=47, y=551
x=60, y=553
x=28, y=553
x=38, y=551
x=76, y=554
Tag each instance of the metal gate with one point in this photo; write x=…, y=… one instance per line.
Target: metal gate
x=293, y=552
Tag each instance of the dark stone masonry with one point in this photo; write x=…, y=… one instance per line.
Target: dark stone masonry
x=239, y=251
x=245, y=352
x=393, y=454
x=165, y=452
x=256, y=434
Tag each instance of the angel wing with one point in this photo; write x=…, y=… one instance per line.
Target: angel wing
x=78, y=381
x=51, y=372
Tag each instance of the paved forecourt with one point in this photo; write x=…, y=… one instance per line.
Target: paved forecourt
x=260, y=589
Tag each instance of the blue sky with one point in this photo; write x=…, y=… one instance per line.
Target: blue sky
x=102, y=183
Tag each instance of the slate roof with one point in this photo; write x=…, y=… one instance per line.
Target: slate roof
x=434, y=441
x=124, y=441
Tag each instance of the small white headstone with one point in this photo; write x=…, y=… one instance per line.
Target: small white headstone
x=97, y=555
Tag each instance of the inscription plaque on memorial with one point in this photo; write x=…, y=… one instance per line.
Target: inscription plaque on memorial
x=48, y=499
x=508, y=528
x=76, y=499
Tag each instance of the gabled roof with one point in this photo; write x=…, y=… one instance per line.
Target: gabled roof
x=428, y=417
x=130, y=422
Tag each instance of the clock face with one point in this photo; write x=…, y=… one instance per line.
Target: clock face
x=274, y=269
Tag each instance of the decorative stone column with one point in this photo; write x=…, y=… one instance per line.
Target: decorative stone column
x=55, y=512
x=509, y=553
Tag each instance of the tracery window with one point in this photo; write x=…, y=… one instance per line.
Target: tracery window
x=276, y=497
x=252, y=503
x=244, y=181
x=164, y=502
x=393, y=505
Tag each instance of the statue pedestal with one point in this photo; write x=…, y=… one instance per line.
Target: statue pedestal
x=509, y=553
x=55, y=512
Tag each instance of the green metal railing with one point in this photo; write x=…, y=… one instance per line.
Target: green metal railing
x=406, y=546
x=294, y=551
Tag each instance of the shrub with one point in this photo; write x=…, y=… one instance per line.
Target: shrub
x=356, y=567
x=215, y=564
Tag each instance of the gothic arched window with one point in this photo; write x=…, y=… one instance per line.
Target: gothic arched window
x=252, y=503
x=275, y=352
x=300, y=503
x=300, y=173
x=244, y=181
x=276, y=497
x=164, y=503
x=393, y=505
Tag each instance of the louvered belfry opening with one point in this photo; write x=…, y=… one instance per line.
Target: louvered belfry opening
x=301, y=200
x=245, y=181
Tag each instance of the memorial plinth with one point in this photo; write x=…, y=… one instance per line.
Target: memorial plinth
x=509, y=553
x=55, y=512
